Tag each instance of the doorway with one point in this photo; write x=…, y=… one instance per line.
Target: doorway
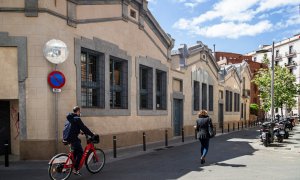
x=4, y=125
x=221, y=115
x=177, y=116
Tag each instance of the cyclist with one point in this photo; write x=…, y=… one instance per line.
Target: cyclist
x=77, y=126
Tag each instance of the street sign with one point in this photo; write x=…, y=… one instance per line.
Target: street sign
x=56, y=79
x=56, y=90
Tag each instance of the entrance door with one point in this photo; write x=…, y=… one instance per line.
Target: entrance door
x=4, y=125
x=177, y=116
x=221, y=114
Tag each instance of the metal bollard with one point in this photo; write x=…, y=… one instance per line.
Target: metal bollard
x=115, y=146
x=222, y=129
x=233, y=127
x=144, y=141
x=6, y=155
x=238, y=126
x=182, y=134
x=166, y=138
x=242, y=125
x=195, y=133
x=228, y=127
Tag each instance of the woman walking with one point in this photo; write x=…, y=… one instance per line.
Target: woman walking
x=202, y=125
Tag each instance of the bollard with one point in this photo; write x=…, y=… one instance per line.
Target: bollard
x=228, y=127
x=6, y=154
x=115, y=146
x=144, y=141
x=233, y=127
x=242, y=125
x=166, y=138
x=182, y=134
x=238, y=126
x=195, y=133
x=222, y=128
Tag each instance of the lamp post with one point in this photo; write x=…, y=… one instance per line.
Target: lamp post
x=272, y=84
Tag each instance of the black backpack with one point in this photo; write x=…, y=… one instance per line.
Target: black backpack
x=66, y=131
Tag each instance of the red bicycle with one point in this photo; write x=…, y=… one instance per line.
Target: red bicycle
x=61, y=165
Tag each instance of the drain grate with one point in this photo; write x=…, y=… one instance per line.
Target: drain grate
x=287, y=148
x=296, y=146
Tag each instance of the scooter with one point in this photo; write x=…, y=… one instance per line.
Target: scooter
x=266, y=133
x=279, y=132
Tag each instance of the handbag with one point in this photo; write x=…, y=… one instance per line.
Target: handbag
x=211, y=130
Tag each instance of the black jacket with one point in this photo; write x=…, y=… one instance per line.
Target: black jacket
x=76, y=126
x=202, y=127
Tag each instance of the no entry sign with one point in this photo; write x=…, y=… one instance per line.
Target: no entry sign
x=56, y=79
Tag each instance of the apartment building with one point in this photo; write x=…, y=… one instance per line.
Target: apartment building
x=286, y=53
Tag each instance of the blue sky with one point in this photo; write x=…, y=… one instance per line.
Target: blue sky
x=238, y=26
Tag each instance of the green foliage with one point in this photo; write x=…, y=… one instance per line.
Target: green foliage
x=285, y=87
x=254, y=109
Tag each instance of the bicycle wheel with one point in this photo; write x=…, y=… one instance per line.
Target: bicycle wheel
x=95, y=161
x=57, y=169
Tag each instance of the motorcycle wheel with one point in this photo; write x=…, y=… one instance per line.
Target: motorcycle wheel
x=265, y=143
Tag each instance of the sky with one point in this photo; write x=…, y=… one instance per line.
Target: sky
x=238, y=26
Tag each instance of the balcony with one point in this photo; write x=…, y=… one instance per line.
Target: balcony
x=290, y=64
x=278, y=57
x=291, y=53
x=246, y=93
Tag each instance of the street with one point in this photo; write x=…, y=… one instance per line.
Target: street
x=237, y=155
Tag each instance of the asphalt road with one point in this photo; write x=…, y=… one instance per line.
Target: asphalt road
x=238, y=155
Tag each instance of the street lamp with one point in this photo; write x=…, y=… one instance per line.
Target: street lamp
x=272, y=78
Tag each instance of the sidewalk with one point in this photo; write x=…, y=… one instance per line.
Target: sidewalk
x=122, y=153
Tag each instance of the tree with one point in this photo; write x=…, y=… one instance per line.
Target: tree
x=285, y=87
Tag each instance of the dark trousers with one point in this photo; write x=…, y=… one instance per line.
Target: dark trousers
x=204, y=146
x=78, y=151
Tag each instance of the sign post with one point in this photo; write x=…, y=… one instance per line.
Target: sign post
x=56, y=52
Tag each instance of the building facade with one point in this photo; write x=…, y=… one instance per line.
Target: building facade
x=286, y=53
x=119, y=71
x=226, y=58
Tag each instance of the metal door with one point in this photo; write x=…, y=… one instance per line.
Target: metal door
x=4, y=125
x=177, y=116
x=221, y=114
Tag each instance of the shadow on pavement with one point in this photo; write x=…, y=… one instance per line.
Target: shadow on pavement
x=176, y=162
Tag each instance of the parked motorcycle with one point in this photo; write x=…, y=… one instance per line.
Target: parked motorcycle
x=266, y=133
x=286, y=126
x=279, y=132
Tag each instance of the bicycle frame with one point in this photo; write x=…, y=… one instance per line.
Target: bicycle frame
x=89, y=147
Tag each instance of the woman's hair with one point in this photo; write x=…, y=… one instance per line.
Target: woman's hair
x=202, y=113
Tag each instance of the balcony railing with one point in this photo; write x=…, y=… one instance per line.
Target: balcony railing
x=291, y=53
x=246, y=93
x=290, y=64
x=278, y=57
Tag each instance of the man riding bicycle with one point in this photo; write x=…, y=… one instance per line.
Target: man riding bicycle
x=77, y=126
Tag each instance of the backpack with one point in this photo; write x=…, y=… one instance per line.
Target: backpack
x=66, y=131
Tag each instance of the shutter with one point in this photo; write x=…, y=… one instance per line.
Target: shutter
x=164, y=91
x=125, y=79
x=101, y=88
x=150, y=88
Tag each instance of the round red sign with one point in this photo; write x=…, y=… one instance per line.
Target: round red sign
x=56, y=79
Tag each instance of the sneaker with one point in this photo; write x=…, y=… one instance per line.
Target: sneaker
x=76, y=172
